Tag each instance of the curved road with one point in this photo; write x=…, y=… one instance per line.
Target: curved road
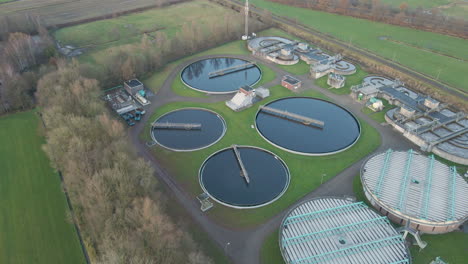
x=244, y=245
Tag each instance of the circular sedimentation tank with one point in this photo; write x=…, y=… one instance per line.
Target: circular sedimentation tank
x=340, y=129
x=378, y=80
x=221, y=176
x=220, y=75
x=192, y=129
x=408, y=186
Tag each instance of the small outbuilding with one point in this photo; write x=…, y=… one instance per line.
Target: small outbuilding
x=133, y=86
x=375, y=104
x=291, y=83
x=336, y=80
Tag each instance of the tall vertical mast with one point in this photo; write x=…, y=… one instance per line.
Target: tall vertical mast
x=247, y=18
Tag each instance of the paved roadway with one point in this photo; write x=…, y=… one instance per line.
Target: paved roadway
x=244, y=245
x=416, y=75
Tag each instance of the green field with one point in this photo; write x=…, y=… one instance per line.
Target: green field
x=415, y=3
x=129, y=29
x=429, y=53
x=33, y=212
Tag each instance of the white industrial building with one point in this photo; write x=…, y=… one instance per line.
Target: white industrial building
x=246, y=97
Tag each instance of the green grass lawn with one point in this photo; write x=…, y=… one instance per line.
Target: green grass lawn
x=299, y=68
x=412, y=48
x=305, y=171
x=33, y=212
x=351, y=80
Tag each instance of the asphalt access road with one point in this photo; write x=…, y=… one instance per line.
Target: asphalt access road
x=243, y=246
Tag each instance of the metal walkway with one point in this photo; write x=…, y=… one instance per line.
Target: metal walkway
x=244, y=173
x=178, y=126
x=231, y=69
x=294, y=117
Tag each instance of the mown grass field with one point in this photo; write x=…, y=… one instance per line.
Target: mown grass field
x=129, y=29
x=429, y=53
x=455, y=8
x=33, y=211
x=55, y=12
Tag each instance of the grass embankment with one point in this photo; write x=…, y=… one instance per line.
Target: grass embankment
x=426, y=52
x=33, y=211
x=305, y=171
x=129, y=29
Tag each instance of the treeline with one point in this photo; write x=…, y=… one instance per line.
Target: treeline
x=114, y=65
x=19, y=67
x=430, y=20
x=117, y=205
x=23, y=53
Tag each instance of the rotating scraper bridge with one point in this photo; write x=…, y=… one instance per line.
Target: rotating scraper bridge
x=408, y=186
x=336, y=230
x=293, y=117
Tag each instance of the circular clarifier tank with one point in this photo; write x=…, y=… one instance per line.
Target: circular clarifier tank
x=307, y=126
x=188, y=129
x=220, y=75
x=222, y=177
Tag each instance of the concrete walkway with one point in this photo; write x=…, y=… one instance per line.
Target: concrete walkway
x=244, y=245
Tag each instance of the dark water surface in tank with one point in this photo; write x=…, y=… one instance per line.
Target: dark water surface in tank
x=196, y=75
x=220, y=176
x=341, y=129
x=212, y=129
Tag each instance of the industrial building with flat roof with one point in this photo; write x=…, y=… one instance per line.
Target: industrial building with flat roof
x=408, y=186
x=339, y=231
x=434, y=126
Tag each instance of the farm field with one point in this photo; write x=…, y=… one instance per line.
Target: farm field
x=433, y=54
x=65, y=11
x=457, y=8
x=100, y=35
x=34, y=225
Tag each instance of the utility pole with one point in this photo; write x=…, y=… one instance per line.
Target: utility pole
x=247, y=18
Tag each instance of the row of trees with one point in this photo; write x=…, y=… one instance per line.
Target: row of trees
x=19, y=72
x=117, y=204
x=430, y=20
x=115, y=65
